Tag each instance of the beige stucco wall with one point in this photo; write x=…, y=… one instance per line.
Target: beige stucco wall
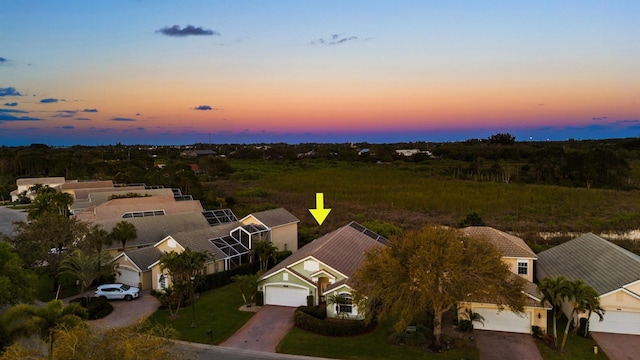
x=285, y=237
x=155, y=277
x=634, y=287
x=620, y=301
x=154, y=274
x=168, y=244
x=513, y=266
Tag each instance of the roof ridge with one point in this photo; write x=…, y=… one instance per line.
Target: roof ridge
x=511, y=237
x=616, y=247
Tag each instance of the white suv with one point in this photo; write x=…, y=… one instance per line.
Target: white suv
x=117, y=291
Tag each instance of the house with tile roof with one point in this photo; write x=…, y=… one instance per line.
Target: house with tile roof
x=133, y=267
x=283, y=225
x=138, y=207
x=611, y=270
x=321, y=268
x=228, y=243
x=520, y=259
x=151, y=229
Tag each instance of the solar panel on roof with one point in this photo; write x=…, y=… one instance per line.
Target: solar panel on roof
x=379, y=238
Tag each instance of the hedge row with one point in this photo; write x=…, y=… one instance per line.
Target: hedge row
x=212, y=281
x=330, y=327
x=318, y=312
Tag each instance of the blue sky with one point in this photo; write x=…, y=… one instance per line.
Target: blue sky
x=180, y=72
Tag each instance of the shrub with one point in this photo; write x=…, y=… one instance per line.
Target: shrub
x=331, y=327
x=97, y=308
x=416, y=338
x=537, y=331
x=260, y=298
x=465, y=325
x=318, y=312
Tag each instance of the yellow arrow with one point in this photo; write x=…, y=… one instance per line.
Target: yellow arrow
x=320, y=213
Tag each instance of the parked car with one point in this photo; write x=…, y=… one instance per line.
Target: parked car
x=117, y=291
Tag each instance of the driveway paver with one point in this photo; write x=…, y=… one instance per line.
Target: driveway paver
x=264, y=331
x=126, y=313
x=618, y=346
x=496, y=345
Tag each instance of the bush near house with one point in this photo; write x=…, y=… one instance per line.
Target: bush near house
x=215, y=280
x=331, y=327
x=97, y=308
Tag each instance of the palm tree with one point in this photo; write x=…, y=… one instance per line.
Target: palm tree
x=593, y=306
x=248, y=287
x=582, y=297
x=97, y=238
x=48, y=201
x=264, y=250
x=473, y=316
x=25, y=320
x=123, y=231
x=86, y=267
x=184, y=268
x=338, y=300
x=554, y=291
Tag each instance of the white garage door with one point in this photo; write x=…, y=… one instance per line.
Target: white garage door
x=503, y=321
x=129, y=277
x=285, y=296
x=618, y=322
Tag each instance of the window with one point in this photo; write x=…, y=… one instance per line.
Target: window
x=523, y=268
x=163, y=282
x=346, y=305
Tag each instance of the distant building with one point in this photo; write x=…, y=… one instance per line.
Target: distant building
x=411, y=152
x=194, y=154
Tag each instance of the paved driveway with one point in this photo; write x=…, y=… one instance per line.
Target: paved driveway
x=126, y=313
x=7, y=217
x=618, y=346
x=264, y=331
x=497, y=345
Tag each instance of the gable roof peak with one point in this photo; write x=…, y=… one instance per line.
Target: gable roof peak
x=509, y=245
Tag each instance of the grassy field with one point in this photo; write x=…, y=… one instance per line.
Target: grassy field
x=407, y=195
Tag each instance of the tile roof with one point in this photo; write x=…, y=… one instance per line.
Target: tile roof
x=76, y=185
x=144, y=257
x=598, y=262
x=114, y=209
x=152, y=229
x=275, y=217
x=509, y=245
x=342, y=249
x=40, y=180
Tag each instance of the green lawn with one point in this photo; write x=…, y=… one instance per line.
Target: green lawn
x=215, y=309
x=369, y=346
x=45, y=291
x=576, y=347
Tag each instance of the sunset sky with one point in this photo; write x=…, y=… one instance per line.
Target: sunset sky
x=190, y=71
